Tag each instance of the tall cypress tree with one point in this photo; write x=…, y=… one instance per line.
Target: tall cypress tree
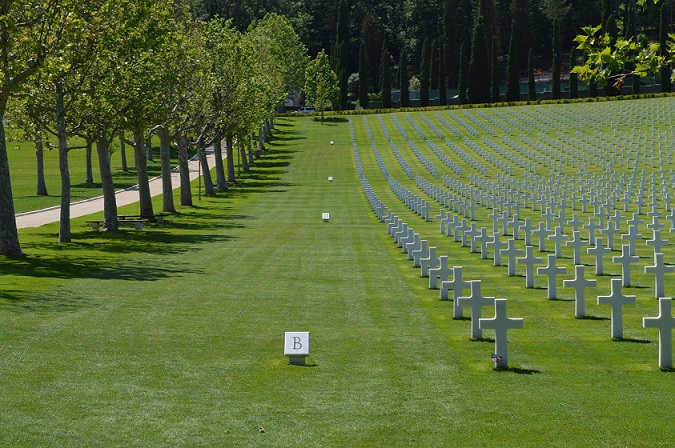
x=342, y=45
x=512, y=69
x=665, y=71
x=574, y=78
x=531, y=85
x=424, y=74
x=442, y=80
x=495, y=71
x=403, y=79
x=363, y=77
x=433, y=65
x=385, y=77
x=479, y=66
x=555, y=70
x=461, y=80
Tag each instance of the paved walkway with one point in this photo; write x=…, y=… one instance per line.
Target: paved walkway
x=128, y=196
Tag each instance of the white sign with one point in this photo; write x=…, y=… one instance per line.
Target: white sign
x=296, y=346
x=325, y=216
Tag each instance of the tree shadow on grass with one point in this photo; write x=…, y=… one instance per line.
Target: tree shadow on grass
x=517, y=370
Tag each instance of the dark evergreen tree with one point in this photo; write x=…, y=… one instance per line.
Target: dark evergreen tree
x=461, y=81
x=385, y=78
x=442, y=80
x=479, y=66
x=433, y=68
x=531, y=85
x=555, y=70
x=403, y=79
x=449, y=43
x=424, y=74
x=593, y=89
x=512, y=69
x=495, y=71
x=574, y=78
x=342, y=45
x=363, y=77
x=665, y=72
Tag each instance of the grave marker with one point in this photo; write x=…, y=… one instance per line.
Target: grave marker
x=551, y=271
x=625, y=260
x=616, y=300
x=665, y=322
x=659, y=269
x=476, y=302
x=501, y=324
x=579, y=283
x=529, y=261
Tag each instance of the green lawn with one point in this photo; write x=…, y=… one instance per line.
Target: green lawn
x=173, y=336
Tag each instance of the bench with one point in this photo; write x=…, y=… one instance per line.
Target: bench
x=158, y=218
x=138, y=223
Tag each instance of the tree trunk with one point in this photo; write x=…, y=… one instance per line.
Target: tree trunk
x=230, y=159
x=148, y=149
x=183, y=167
x=90, y=174
x=110, y=220
x=40, y=156
x=221, y=182
x=9, y=237
x=145, y=200
x=242, y=154
x=165, y=158
x=62, y=135
x=123, y=153
x=206, y=172
x=251, y=149
x=261, y=138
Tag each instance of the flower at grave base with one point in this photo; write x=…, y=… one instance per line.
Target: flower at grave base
x=261, y=429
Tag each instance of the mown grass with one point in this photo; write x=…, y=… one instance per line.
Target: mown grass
x=174, y=335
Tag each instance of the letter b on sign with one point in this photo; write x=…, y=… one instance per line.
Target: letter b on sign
x=296, y=343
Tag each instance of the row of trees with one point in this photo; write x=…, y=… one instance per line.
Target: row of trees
x=102, y=68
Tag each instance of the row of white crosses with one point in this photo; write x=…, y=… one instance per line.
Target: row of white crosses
x=435, y=268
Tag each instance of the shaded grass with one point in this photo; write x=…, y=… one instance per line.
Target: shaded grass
x=174, y=335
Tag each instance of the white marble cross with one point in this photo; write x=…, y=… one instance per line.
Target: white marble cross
x=665, y=322
x=576, y=243
x=496, y=244
x=657, y=242
x=422, y=252
x=527, y=227
x=632, y=236
x=552, y=271
x=625, y=259
x=579, y=283
x=443, y=271
x=458, y=285
x=476, y=302
x=501, y=324
x=429, y=262
x=529, y=261
x=591, y=227
x=616, y=300
x=542, y=232
x=599, y=250
x=660, y=269
x=511, y=252
x=484, y=239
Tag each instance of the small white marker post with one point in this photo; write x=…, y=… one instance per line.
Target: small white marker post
x=325, y=217
x=330, y=178
x=296, y=347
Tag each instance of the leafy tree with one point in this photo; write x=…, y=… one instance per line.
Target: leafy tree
x=28, y=36
x=321, y=83
x=665, y=71
x=424, y=74
x=403, y=79
x=512, y=69
x=479, y=67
